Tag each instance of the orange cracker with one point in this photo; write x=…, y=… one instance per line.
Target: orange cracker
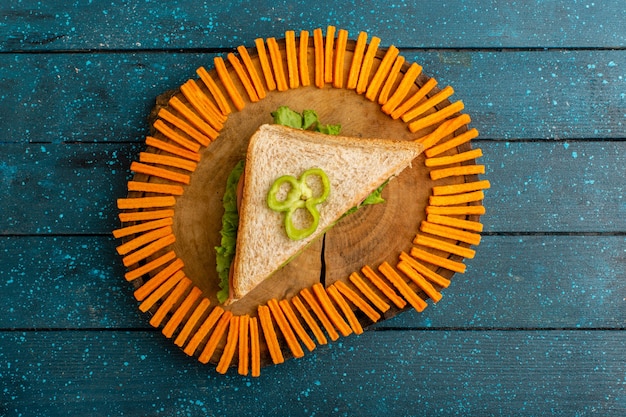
x=155, y=282
x=455, y=210
x=218, y=319
x=285, y=328
x=192, y=118
x=383, y=287
x=292, y=59
x=361, y=304
x=161, y=291
x=414, y=99
x=296, y=325
x=428, y=104
x=319, y=312
x=366, y=66
x=331, y=311
x=155, y=187
x=206, y=105
x=204, y=108
x=368, y=292
x=438, y=260
x=180, y=313
x=148, y=250
x=345, y=308
x=215, y=91
x=383, y=97
x=170, y=161
x=454, y=159
x=357, y=60
x=455, y=222
x=191, y=322
x=444, y=129
x=185, y=127
x=381, y=73
x=277, y=64
x=139, y=216
x=437, y=174
x=164, y=173
x=328, y=54
x=150, y=266
x=255, y=78
x=227, y=82
x=420, y=281
x=454, y=199
x=318, y=45
x=303, y=59
x=143, y=239
x=452, y=143
x=403, y=89
x=436, y=117
x=404, y=289
x=340, y=53
x=273, y=346
x=216, y=335
x=243, y=365
x=310, y=321
x=450, y=232
x=168, y=304
x=444, y=246
x=142, y=227
x=255, y=348
x=461, y=188
x=243, y=77
x=266, y=67
x=426, y=272
x=145, y=202
x=231, y=345
x=173, y=135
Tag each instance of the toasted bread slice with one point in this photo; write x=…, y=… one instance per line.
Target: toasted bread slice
x=355, y=167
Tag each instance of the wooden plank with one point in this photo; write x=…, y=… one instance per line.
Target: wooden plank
x=73, y=187
x=513, y=282
x=107, y=97
x=431, y=372
x=69, y=188
x=533, y=282
x=86, y=96
x=65, y=282
x=543, y=187
x=536, y=95
x=33, y=26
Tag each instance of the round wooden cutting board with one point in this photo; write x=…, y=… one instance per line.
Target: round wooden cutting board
x=372, y=236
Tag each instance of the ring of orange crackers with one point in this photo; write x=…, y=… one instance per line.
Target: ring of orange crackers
x=281, y=328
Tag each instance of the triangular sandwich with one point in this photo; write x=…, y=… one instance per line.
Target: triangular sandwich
x=354, y=167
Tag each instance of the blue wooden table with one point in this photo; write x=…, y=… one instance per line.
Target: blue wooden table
x=537, y=325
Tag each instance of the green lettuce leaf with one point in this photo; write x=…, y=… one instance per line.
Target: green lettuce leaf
x=374, y=198
x=230, y=222
x=307, y=120
x=286, y=117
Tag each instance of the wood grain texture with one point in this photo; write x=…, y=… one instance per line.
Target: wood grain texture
x=514, y=282
x=74, y=186
x=534, y=104
x=33, y=26
x=70, y=188
x=391, y=372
